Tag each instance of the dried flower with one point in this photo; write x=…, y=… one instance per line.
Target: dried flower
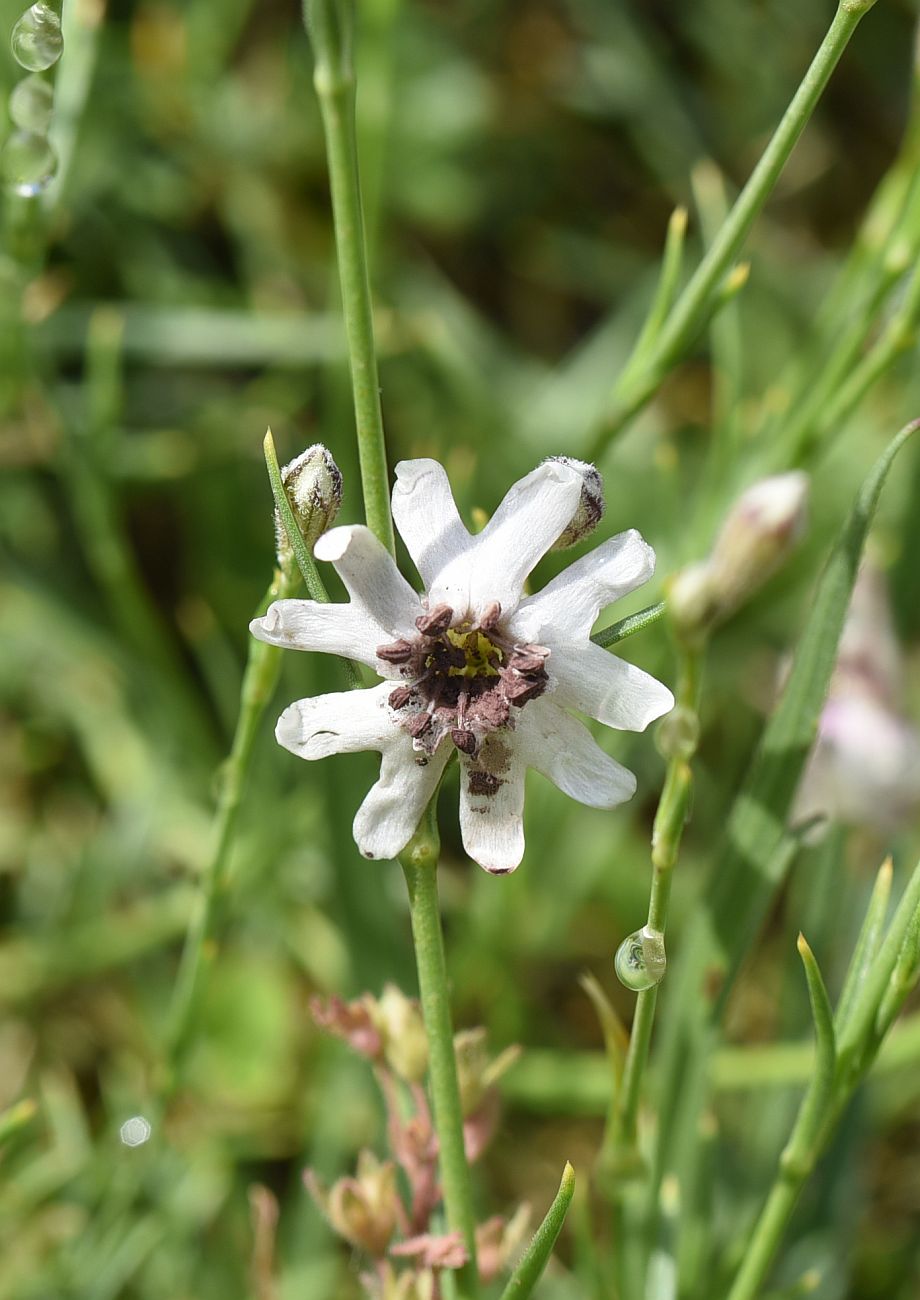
x=435, y=1252
x=353, y=1022
x=473, y=666
x=405, y=1043
x=363, y=1209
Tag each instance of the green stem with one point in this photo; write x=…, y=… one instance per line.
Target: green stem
x=330, y=25
x=419, y=862
x=816, y=1115
x=620, y=1141
x=259, y=680
x=646, y=369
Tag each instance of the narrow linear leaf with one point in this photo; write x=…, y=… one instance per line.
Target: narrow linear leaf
x=535, y=1257
x=817, y=1099
x=861, y=1022
x=903, y=979
x=616, y=1038
x=627, y=626
x=866, y=945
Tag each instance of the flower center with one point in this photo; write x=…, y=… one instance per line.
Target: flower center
x=463, y=680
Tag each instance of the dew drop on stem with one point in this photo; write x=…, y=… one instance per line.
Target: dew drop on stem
x=36, y=39
x=640, y=962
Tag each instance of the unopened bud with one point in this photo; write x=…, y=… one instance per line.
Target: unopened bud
x=591, y=505
x=362, y=1209
x=762, y=528
x=402, y=1029
x=313, y=483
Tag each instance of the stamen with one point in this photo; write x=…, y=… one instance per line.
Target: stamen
x=490, y=616
x=397, y=652
x=436, y=621
x=399, y=698
x=464, y=740
x=418, y=724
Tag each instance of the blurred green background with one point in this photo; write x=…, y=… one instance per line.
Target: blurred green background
x=172, y=295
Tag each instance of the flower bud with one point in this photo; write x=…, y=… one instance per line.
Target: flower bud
x=363, y=1209
x=761, y=529
x=313, y=483
x=591, y=506
x=402, y=1029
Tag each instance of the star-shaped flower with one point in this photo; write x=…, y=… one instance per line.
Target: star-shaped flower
x=473, y=666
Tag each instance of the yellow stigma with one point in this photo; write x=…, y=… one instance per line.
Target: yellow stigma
x=481, y=655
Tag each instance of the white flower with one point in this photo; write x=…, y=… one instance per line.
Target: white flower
x=472, y=666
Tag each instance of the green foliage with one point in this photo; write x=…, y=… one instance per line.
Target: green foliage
x=171, y=296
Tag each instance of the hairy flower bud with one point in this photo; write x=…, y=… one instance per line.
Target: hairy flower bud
x=760, y=531
x=313, y=483
x=591, y=506
x=363, y=1209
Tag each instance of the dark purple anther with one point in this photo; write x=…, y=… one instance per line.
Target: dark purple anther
x=436, y=621
x=397, y=652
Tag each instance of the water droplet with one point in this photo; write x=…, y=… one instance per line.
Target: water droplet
x=135, y=1131
x=36, y=39
x=31, y=102
x=640, y=962
x=27, y=163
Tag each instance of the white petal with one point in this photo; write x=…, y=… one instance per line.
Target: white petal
x=345, y=630
x=342, y=722
x=371, y=577
x=389, y=816
x=427, y=518
x=535, y=511
x=595, y=682
x=573, y=600
x=492, y=803
x=561, y=748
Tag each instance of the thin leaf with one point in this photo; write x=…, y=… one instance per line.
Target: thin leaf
x=861, y=1022
x=528, y=1272
x=866, y=945
x=627, y=626
x=803, y=1141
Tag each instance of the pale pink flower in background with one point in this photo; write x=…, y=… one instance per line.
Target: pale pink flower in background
x=472, y=666
x=865, y=767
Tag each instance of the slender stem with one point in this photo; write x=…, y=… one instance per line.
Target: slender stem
x=646, y=369
x=262, y=668
x=330, y=24
x=419, y=862
x=818, y=1110
x=672, y=811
